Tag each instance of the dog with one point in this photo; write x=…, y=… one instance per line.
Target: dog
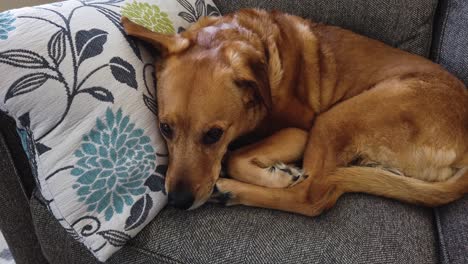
x=361, y=116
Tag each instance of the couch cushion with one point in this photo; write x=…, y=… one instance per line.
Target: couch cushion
x=82, y=94
x=360, y=229
x=403, y=24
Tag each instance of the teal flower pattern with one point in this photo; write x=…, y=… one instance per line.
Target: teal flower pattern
x=6, y=21
x=114, y=160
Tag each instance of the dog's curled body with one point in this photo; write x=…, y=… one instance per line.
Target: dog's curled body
x=363, y=116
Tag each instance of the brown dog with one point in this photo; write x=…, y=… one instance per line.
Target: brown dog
x=364, y=117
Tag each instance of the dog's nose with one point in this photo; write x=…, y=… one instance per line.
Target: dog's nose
x=181, y=200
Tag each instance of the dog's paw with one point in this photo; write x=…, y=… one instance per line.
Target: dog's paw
x=221, y=194
x=287, y=175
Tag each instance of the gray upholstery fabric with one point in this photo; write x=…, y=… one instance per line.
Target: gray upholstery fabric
x=59, y=247
x=406, y=24
x=452, y=225
x=15, y=218
x=19, y=158
x=360, y=229
x=450, y=47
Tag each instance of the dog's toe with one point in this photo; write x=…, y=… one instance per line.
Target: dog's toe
x=221, y=195
x=287, y=175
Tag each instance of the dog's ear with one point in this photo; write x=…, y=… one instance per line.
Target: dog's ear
x=258, y=87
x=251, y=75
x=165, y=43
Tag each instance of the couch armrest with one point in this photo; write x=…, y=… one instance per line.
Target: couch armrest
x=450, y=50
x=15, y=221
x=452, y=228
x=451, y=36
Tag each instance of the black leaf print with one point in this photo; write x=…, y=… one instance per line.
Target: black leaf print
x=161, y=169
x=26, y=84
x=139, y=212
x=133, y=44
x=92, y=225
x=123, y=72
x=99, y=93
x=89, y=43
x=100, y=247
x=156, y=184
x=57, y=47
x=200, y=6
x=114, y=17
x=188, y=17
x=151, y=104
x=23, y=59
x=186, y=4
x=212, y=10
x=149, y=73
x=114, y=237
x=72, y=233
x=24, y=119
x=41, y=148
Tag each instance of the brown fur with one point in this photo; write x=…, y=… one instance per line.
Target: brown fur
x=311, y=91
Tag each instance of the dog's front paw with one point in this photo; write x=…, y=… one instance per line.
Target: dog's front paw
x=221, y=193
x=287, y=175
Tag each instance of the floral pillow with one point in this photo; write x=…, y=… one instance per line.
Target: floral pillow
x=83, y=96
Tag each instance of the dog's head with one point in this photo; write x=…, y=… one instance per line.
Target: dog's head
x=212, y=87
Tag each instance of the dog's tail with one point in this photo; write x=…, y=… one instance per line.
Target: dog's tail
x=380, y=182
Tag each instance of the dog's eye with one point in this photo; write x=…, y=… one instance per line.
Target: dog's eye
x=166, y=130
x=212, y=136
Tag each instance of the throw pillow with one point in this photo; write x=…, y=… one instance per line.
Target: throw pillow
x=83, y=95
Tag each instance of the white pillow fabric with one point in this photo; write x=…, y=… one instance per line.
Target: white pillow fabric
x=83, y=96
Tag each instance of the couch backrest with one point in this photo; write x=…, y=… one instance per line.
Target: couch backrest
x=405, y=24
x=450, y=48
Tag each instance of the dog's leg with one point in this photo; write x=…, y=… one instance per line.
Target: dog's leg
x=261, y=182
x=294, y=199
x=265, y=163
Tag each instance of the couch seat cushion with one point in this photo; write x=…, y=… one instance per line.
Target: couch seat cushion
x=360, y=229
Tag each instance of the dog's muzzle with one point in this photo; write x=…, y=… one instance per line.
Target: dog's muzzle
x=181, y=199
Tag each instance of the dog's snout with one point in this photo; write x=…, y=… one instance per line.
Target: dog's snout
x=181, y=199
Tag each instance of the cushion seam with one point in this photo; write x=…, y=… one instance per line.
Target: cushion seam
x=442, y=32
x=154, y=254
x=443, y=248
x=417, y=34
x=431, y=31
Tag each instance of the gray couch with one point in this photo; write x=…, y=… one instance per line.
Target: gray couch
x=360, y=229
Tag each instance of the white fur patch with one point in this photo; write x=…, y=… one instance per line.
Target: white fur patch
x=303, y=28
x=179, y=44
x=286, y=175
x=440, y=156
x=207, y=34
